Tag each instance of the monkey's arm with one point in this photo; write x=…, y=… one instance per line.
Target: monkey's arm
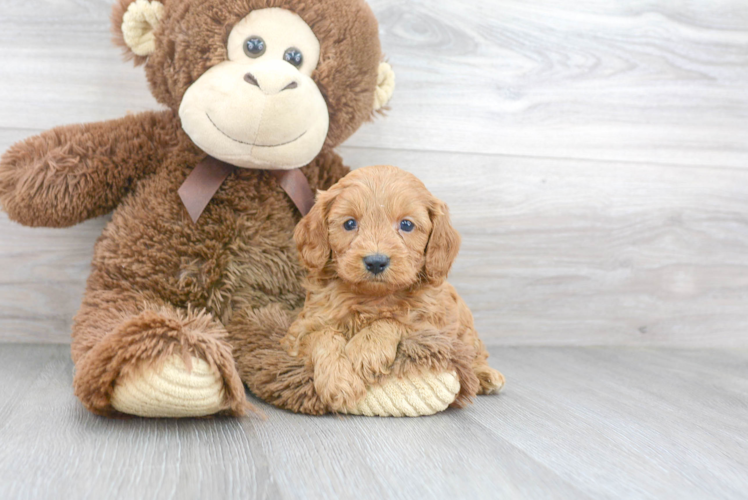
x=76, y=172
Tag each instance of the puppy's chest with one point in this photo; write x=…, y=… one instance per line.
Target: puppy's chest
x=413, y=316
x=359, y=318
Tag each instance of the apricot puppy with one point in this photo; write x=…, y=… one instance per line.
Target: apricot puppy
x=378, y=246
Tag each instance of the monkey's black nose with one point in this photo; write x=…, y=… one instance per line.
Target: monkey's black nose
x=250, y=79
x=376, y=263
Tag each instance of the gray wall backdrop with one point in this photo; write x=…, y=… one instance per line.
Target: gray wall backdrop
x=594, y=155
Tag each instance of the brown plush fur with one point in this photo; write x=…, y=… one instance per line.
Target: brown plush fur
x=224, y=289
x=357, y=326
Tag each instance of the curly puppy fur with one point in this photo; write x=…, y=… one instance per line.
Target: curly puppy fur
x=358, y=325
x=224, y=289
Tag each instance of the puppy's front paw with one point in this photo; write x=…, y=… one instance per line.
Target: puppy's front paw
x=338, y=386
x=370, y=359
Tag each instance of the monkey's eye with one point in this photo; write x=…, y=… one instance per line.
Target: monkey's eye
x=350, y=225
x=406, y=225
x=254, y=46
x=293, y=56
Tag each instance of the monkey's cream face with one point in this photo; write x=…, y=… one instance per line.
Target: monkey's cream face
x=261, y=108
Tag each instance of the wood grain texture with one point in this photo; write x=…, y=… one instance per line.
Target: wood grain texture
x=593, y=155
x=42, y=278
x=645, y=80
x=573, y=423
x=554, y=252
x=642, y=80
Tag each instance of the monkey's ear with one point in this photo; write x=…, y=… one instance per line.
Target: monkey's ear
x=443, y=245
x=133, y=23
x=385, y=86
x=312, y=239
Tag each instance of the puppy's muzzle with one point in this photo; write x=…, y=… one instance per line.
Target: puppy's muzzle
x=376, y=263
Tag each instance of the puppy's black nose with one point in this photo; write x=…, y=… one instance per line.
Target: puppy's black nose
x=376, y=263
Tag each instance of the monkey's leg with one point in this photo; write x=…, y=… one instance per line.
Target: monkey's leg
x=288, y=382
x=268, y=370
x=152, y=360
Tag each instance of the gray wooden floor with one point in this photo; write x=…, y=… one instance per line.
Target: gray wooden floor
x=573, y=423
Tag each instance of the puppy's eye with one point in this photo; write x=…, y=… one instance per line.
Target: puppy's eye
x=406, y=225
x=293, y=56
x=254, y=46
x=350, y=225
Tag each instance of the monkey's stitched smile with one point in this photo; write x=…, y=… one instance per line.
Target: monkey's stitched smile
x=251, y=143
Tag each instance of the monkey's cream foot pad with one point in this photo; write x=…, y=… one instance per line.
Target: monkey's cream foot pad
x=412, y=396
x=171, y=390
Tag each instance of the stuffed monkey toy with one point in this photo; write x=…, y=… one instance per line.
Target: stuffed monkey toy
x=196, y=279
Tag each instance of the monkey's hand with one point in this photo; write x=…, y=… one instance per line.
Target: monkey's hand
x=424, y=349
x=72, y=173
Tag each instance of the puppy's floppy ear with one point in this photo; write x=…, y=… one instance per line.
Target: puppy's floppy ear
x=443, y=245
x=311, y=233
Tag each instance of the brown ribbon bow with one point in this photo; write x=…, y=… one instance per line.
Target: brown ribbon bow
x=206, y=178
